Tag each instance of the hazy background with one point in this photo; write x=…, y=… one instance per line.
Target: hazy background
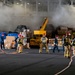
x=14, y=15
x=64, y=15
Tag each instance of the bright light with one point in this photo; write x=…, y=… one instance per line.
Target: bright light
x=17, y=3
x=28, y=30
x=39, y=3
x=28, y=3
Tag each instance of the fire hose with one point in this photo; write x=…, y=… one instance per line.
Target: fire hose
x=66, y=67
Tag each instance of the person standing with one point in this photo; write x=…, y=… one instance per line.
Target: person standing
x=73, y=45
x=43, y=44
x=2, y=41
x=55, y=44
x=24, y=37
x=67, y=46
x=28, y=38
x=20, y=44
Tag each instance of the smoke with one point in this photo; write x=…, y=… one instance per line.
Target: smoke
x=12, y=16
x=64, y=15
x=16, y=14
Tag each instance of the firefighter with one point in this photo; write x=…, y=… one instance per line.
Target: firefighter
x=43, y=43
x=67, y=46
x=73, y=45
x=20, y=44
x=28, y=38
x=24, y=34
x=55, y=44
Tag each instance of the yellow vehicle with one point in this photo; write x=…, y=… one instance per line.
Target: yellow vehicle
x=35, y=41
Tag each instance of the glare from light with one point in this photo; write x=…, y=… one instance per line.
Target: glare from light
x=28, y=30
x=39, y=3
x=28, y=3
x=17, y=3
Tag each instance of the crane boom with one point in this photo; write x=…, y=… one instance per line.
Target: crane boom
x=42, y=29
x=44, y=24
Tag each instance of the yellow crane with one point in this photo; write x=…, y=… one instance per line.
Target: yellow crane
x=35, y=41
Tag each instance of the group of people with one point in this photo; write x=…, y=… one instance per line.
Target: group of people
x=23, y=39
x=68, y=44
x=44, y=43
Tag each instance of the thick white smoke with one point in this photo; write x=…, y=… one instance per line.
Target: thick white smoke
x=64, y=15
x=11, y=17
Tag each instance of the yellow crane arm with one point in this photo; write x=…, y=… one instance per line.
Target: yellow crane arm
x=42, y=29
x=44, y=24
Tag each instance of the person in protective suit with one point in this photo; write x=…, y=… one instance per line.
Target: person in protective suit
x=20, y=44
x=73, y=45
x=43, y=43
x=67, y=46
